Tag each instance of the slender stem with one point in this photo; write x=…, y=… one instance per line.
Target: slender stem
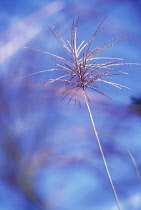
x=101, y=151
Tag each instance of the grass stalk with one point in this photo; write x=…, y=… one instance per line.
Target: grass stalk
x=101, y=151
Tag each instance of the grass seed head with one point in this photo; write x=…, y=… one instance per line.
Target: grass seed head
x=85, y=67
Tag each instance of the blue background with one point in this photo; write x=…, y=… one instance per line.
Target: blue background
x=49, y=157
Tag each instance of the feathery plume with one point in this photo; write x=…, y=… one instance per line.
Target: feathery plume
x=84, y=68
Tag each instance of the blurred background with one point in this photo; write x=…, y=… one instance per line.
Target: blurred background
x=49, y=159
